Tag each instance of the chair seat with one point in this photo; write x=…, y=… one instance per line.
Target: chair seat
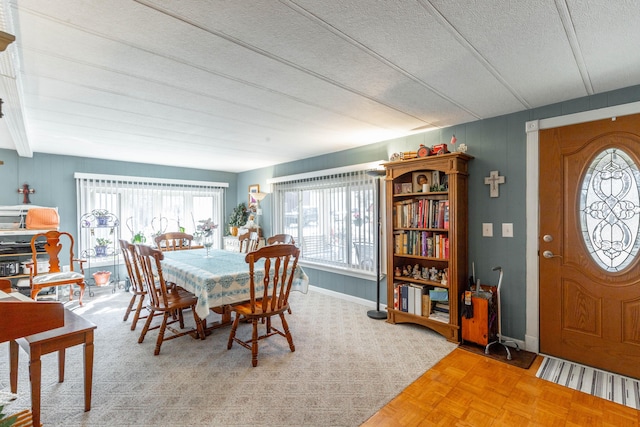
x=244, y=309
x=63, y=276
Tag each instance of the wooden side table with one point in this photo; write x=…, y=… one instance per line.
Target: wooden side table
x=76, y=330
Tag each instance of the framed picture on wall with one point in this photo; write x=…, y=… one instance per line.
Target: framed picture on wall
x=255, y=188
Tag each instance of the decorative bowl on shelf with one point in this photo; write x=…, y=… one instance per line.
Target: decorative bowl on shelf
x=102, y=277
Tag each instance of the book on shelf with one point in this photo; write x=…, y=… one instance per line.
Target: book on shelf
x=404, y=298
x=439, y=294
x=418, y=292
x=441, y=307
x=439, y=316
x=426, y=305
x=446, y=214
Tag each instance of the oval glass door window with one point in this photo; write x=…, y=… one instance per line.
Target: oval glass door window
x=610, y=209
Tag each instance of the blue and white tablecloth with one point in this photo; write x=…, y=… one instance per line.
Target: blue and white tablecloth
x=219, y=280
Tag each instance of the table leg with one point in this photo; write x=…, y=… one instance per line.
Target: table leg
x=14, y=349
x=61, y=357
x=35, y=371
x=225, y=312
x=88, y=369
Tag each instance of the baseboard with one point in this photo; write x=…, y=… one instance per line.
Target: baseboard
x=350, y=298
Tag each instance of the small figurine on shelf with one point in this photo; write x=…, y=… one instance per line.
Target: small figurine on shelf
x=416, y=272
x=433, y=274
x=397, y=271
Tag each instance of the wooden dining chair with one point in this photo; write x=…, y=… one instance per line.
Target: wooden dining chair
x=281, y=238
x=174, y=241
x=135, y=279
x=54, y=276
x=248, y=242
x=165, y=299
x=275, y=279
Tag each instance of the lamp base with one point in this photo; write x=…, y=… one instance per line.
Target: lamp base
x=377, y=314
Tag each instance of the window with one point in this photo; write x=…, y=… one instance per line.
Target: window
x=331, y=215
x=152, y=206
x=609, y=210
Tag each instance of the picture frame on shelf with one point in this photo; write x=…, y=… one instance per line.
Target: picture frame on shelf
x=254, y=188
x=421, y=182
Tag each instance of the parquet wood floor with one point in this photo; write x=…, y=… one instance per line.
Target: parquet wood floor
x=465, y=389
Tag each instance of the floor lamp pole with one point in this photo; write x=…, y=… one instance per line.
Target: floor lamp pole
x=377, y=314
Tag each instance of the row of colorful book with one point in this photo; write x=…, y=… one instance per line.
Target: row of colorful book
x=421, y=213
x=421, y=243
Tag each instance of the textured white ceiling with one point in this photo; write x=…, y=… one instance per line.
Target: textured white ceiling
x=238, y=85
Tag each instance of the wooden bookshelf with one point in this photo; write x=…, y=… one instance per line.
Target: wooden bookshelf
x=427, y=236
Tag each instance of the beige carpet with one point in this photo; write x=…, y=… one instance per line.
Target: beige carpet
x=346, y=366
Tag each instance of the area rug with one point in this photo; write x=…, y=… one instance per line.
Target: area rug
x=612, y=387
x=522, y=358
x=345, y=368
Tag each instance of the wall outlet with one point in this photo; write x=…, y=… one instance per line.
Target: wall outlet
x=487, y=229
x=507, y=229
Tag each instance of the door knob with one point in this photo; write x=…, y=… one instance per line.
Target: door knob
x=547, y=238
x=549, y=254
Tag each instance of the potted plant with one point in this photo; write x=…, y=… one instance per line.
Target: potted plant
x=101, y=246
x=138, y=238
x=102, y=277
x=238, y=218
x=102, y=217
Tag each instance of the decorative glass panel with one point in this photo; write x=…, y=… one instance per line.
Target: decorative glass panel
x=610, y=209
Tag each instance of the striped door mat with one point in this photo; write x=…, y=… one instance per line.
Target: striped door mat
x=613, y=387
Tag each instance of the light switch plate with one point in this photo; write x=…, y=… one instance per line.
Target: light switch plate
x=507, y=229
x=487, y=229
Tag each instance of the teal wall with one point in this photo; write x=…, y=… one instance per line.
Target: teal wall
x=52, y=178
x=497, y=144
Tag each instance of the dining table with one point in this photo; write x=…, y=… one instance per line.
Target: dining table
x=219, y=279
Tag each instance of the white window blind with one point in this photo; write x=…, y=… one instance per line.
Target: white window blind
x=152, y=206
x=332, y=216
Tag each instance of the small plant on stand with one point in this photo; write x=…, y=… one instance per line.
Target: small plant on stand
x=238, y=218
x=101, y=246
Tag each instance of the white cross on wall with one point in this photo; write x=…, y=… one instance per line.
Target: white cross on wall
x=493, y=180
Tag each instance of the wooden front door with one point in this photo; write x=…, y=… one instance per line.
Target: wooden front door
x=589, y=266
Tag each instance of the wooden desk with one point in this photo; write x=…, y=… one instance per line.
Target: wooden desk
x=75, y=331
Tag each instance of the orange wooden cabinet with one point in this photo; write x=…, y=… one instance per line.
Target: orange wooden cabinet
x=483, y=326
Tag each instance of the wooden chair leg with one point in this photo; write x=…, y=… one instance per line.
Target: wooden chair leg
x=136, y=315
x=82, y=285
x=145, y=329
x=287, y=333
x=232, y=334
x=129, y=308
x=254, y=343
x=163, y=327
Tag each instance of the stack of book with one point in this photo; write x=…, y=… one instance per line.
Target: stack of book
x=440, y=305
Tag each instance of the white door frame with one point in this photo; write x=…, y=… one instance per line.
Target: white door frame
x=532, y=334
